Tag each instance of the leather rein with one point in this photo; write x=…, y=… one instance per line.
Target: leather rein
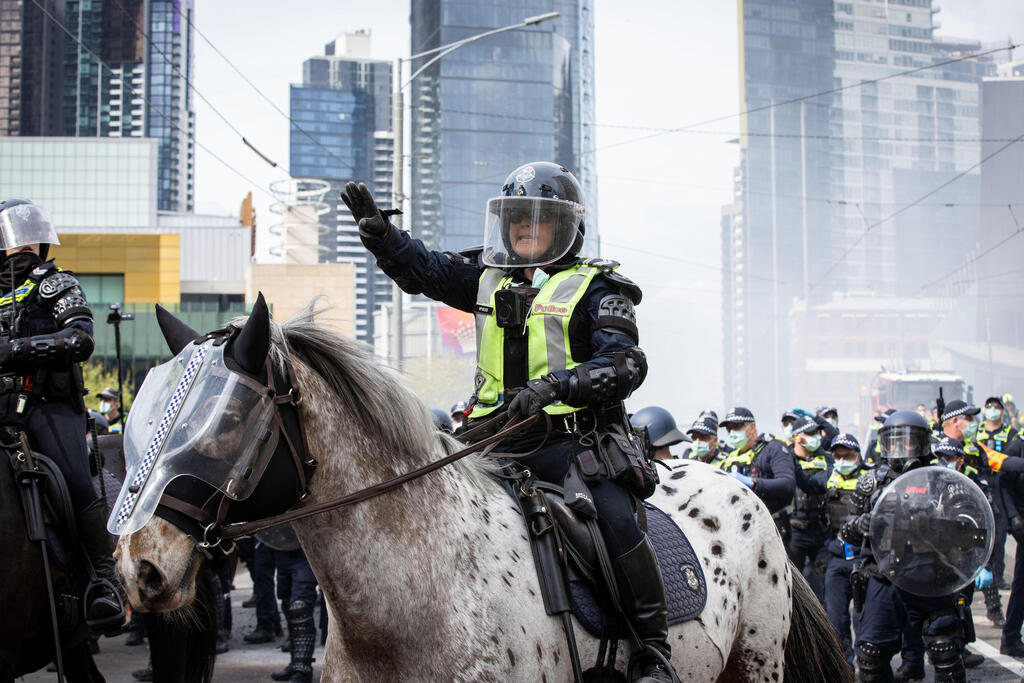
x=216, y=534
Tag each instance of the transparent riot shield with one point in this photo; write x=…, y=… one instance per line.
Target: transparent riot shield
x=931, y=531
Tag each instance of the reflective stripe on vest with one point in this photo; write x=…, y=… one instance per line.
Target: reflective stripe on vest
x=20, y=293
x=838, y=481
x=998, y=439
x=547, y=331
x=742, y=462
x=818, y=462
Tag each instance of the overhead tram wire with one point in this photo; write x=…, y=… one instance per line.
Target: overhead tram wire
x=261, y=93
x=804, y=98
x=188, y=83
x=906, y=207
x=977, y=257
x=145, y=99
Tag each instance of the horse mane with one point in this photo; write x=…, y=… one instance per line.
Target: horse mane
x=378, y=397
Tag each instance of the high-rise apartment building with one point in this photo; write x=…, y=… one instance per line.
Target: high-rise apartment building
x=342, y=132
x=122, y=72
x=836, y=147
x=494, y=104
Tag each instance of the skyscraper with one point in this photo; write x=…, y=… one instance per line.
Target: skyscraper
x=342, y=132
x=494, y=104
x=52, y=84
x=836, y=147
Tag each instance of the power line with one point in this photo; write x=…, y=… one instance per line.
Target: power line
x=974, y=259
x=260, y=92
x=906, y=207
x=804, y=98
x=194, y=89
x=145, y=99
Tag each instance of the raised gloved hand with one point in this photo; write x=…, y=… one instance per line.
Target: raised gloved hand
x=364, y=210
x=743, y=479
x=532, y=399
x=984, y=579
x=1017, y=528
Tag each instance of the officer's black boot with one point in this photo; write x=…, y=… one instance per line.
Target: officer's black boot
x=948, y=661
x=104, y=610
x=873, y=662
x=994, y=606
x=642, y=592
x=288, y=646
x=302, y=632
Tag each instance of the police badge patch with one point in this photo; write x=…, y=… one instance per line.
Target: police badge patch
x=526, y=174
x=690, y=576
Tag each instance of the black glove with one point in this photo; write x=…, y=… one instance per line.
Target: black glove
x=531, y=400
x=1017, y=528
x=364, y=210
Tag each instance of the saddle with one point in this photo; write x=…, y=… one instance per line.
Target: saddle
x=583, y=560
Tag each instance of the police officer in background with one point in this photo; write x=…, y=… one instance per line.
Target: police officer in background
x=994, y=436
x=762, y=462
x=660, y=429
x=705, y=445
x=45, y=333
x=905, y=444
x=788, y=418
x=110, y=408
x=1011, y=472
x=839, y=488
x=458, y=414
x=556, y=333
x=806, y=545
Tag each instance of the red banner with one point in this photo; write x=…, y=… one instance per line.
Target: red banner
x=458, y=331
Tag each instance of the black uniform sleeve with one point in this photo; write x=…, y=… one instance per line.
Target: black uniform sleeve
x=72, y=317
x=449, y=278
x=812, y=482
x=776, y=485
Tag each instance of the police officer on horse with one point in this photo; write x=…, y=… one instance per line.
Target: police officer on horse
x=557, y=334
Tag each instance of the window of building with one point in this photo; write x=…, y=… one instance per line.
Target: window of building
x=102, y=288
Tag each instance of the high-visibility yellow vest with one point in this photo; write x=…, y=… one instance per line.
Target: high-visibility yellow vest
x=547, y=330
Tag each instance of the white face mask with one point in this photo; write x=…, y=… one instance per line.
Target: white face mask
x=105, y=407
x=539, y=278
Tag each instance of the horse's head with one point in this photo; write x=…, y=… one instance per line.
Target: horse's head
x=213, y=438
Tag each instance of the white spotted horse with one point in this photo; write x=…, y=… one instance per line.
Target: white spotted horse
x=434, y=580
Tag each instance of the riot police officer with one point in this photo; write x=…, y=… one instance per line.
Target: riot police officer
x=555, y=333
x=46, y=329
x=806, y=545
x=660, y=428
x=705, y=445
x=905, y=444
x=839, y=488
x=761, y=462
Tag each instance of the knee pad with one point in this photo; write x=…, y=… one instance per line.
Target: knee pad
x=873, y=661
x=947, y=660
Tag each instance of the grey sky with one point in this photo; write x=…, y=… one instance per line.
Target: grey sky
x=659, y=64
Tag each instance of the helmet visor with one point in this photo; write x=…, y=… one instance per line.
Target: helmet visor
x=26, y=224
x=529, y=231
x=904, y=444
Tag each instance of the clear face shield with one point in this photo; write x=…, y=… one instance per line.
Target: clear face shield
x=194, y=416
x=904, y=445
x=529, y=231
x=26, y=224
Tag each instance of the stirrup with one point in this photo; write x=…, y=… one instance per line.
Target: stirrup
x=108, y=626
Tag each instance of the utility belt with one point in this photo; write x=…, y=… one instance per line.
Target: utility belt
x=46, y=383
x=11, y=384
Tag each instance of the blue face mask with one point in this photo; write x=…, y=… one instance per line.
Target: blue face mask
x=969, y=430
x=700, y=448
x=539, y=278
x=993, y=414
x=736, y=438
x=845, y=467
x=812, y=443
x=787, y=431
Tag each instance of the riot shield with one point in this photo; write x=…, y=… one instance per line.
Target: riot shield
x=931, y=531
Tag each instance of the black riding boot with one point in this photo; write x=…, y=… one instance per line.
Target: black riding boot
x=948, y=661
x=302, y=636
x=285, y=673
x=104, y=610
x=642, y=592
x=994, y=606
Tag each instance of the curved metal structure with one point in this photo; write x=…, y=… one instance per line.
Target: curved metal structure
x=300, y=203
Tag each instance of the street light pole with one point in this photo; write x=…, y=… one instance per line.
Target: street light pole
x=398, y=175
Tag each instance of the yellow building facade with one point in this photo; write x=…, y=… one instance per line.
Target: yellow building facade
x=150, y=263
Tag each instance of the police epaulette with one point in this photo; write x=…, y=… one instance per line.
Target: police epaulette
x=603, y=263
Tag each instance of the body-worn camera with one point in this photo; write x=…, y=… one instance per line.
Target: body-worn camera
x=510, y=308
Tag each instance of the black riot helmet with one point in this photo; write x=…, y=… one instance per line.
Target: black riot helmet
x=905, y=440
x=22, y=222
x=538, y=219
x=661, y=426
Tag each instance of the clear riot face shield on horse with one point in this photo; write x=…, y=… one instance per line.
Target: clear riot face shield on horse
x=194, y=416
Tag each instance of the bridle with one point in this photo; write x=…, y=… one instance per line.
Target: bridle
x=211, y=533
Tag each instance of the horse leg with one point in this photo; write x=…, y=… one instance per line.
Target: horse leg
x=80, y=666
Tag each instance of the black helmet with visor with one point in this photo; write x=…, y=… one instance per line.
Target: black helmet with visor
x=905, y=440
x=537, y=220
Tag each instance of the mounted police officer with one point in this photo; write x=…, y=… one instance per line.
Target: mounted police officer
x=661, y=430
x=555, y=333
x=905, y=444
x=806, y=545
x=46, y=330
x=839, y=488
x=705, y=445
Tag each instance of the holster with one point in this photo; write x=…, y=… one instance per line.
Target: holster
x=963, y=611
x=547, y=552
x=625, y=462
x=859, y=586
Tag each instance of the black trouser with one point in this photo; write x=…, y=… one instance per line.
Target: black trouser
x=55, y=430
x=806, y=550
x=615, y=511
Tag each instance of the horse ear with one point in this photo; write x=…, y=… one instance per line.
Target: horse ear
x=252, y=344
x=177, y=334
